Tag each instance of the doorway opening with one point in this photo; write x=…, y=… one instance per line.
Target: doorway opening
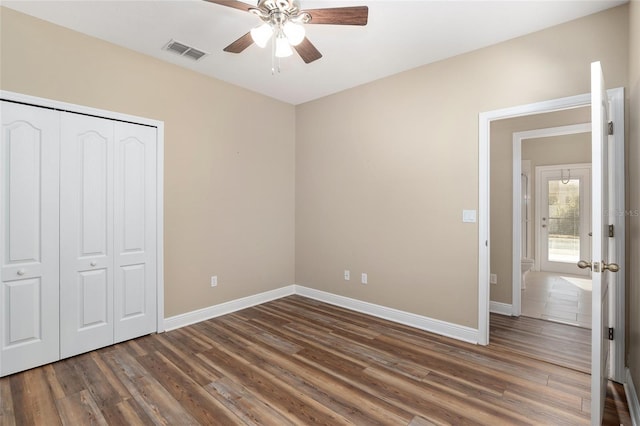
x=551, y=237
x=486, y=120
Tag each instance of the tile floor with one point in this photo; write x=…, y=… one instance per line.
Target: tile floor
x=558, y=297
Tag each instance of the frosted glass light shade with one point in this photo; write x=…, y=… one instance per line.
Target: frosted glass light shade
x=294, y=33
x=261, y=34
x=283, y=48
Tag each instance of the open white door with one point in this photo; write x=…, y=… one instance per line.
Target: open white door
x=600, y=244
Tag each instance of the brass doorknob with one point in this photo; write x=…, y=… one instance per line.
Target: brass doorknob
x=583, y=264
x=613, y=267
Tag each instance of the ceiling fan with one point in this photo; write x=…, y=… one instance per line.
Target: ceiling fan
x=283, y=20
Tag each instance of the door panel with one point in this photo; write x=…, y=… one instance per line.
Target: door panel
x=600, y=203
x=23, y=320
x=135, y=234
x=93, y=288
x=29, y=237
x=86, y=239
x=93, y=187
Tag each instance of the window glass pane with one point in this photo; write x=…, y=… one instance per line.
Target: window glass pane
x=564, y=221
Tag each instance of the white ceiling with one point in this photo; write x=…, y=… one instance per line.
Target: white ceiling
x=400, y=35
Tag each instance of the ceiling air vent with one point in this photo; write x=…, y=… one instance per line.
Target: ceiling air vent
x=184, y=50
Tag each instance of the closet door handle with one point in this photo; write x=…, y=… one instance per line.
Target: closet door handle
x=93, y=263
x=21, y=272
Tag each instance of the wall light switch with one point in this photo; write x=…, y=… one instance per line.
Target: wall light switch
x=364, y=278
x=469, y=216
x=493, y=279
x=347, y=275
x=214, y=281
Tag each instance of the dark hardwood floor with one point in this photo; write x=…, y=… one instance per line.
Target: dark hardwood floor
x=303, y=362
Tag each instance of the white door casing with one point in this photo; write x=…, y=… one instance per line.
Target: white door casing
x=28, y=237
x=86, y=233
x=135, y=231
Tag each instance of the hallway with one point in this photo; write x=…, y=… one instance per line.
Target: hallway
x=558, y=297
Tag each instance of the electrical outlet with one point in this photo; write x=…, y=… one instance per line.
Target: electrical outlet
x=493, y=279
x=364, y=278
x=347, y=275
x=214, y=281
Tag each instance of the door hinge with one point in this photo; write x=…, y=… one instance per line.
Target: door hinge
x=611, y=127
x=610, y=333
x=611, y=231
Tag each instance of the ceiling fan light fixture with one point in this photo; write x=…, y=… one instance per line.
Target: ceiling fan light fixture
x=283, y=48
x=261, y=34
x=295, y=33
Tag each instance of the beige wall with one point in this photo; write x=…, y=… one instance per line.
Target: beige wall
x=384, y=170
x=633, y=299
x=229, y=186
x=546, y=151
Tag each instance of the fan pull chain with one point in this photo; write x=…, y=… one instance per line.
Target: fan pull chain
x=275, y=62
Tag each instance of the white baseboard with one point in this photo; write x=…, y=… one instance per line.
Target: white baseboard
x=443, y=328
x=226, y=308
x=501, y=308
x=632, y=399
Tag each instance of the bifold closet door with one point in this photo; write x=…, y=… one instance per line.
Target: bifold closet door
x=108, y=232
x=135, y=231
x=86, y=233
x=29, y=237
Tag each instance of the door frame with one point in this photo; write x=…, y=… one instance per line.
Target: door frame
x=159, y=125
x=616, y=99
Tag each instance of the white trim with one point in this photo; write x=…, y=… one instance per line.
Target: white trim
x=501, y=308
x=160, y=227
x=484, y=230
x=518, y=137
x=159, y=125
x=443, y=328
x=203, y=314
x=80, y=109
x=632, y=399
x=616, y=112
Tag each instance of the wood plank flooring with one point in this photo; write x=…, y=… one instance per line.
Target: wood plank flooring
x=561, y=344
x=296, y=361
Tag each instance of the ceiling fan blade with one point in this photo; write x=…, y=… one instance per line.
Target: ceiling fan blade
x=355, y=15
x=240, y=44
x=307, y=51
x=234, y=4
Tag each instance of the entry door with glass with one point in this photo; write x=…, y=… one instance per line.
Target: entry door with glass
x=563, y=219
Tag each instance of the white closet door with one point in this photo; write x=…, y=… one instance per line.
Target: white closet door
x=86, y=234
x=28, y=237
x=135, y=231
